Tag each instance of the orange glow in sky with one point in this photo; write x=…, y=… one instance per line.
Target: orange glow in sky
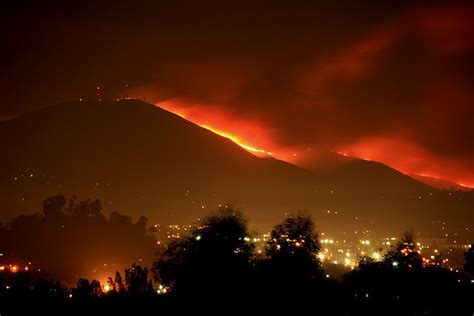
x=256, y=139
x=408, y=158
x=235, y=131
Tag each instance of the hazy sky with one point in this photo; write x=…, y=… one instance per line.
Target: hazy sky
x=389, y=82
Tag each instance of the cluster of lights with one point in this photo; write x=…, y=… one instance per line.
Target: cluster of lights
x=174, y=231
x=348, y=256
x=327, y=241
x=376, y=256
x=363, y=247
x=13, y=268
x=407, y=251
x=162, y=289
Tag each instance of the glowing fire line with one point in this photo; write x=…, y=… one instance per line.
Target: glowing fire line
x=236, y=140
x=233, y=138
x=439, y=178
x=260, y=151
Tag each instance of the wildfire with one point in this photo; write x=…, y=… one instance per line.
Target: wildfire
x=247, y=133
x=237, y=140
x=174, y=108
x=388, y=152
x=106, y=288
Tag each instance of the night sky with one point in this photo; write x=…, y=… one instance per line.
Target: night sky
x=390, y=82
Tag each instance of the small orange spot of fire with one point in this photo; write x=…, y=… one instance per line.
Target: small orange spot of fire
x=439, y=178
x=426, y=175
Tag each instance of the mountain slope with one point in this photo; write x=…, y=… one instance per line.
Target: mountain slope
x=360, y=176
x=138, y=158
x=142, y=160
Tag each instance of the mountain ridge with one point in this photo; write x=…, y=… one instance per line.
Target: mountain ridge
x=143, y=160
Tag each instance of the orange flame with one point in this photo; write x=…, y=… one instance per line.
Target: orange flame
x=174, y=108
x=237, y=140
x=377, y=149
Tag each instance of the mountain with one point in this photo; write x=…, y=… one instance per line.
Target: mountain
x=360, y=177
x=139, y=159
x=142, y=160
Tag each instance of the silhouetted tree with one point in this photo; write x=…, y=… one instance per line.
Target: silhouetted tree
x=87, y=208
x=86, y=289
x=73, y=236
x=118, y=281
x=293, y=248
x=399, y=285
x=136, y=280
x=365, y=261
x=142, y=223
x=469, y=257
x=405, y=253
x=53, y=206
x=214, y=258
x=45, y=288
x=111, y=284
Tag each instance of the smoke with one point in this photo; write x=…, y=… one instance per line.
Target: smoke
x=389, y=82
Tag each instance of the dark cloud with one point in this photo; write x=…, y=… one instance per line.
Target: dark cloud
x=390, y=82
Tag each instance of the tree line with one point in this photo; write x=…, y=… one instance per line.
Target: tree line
x=216, y=269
